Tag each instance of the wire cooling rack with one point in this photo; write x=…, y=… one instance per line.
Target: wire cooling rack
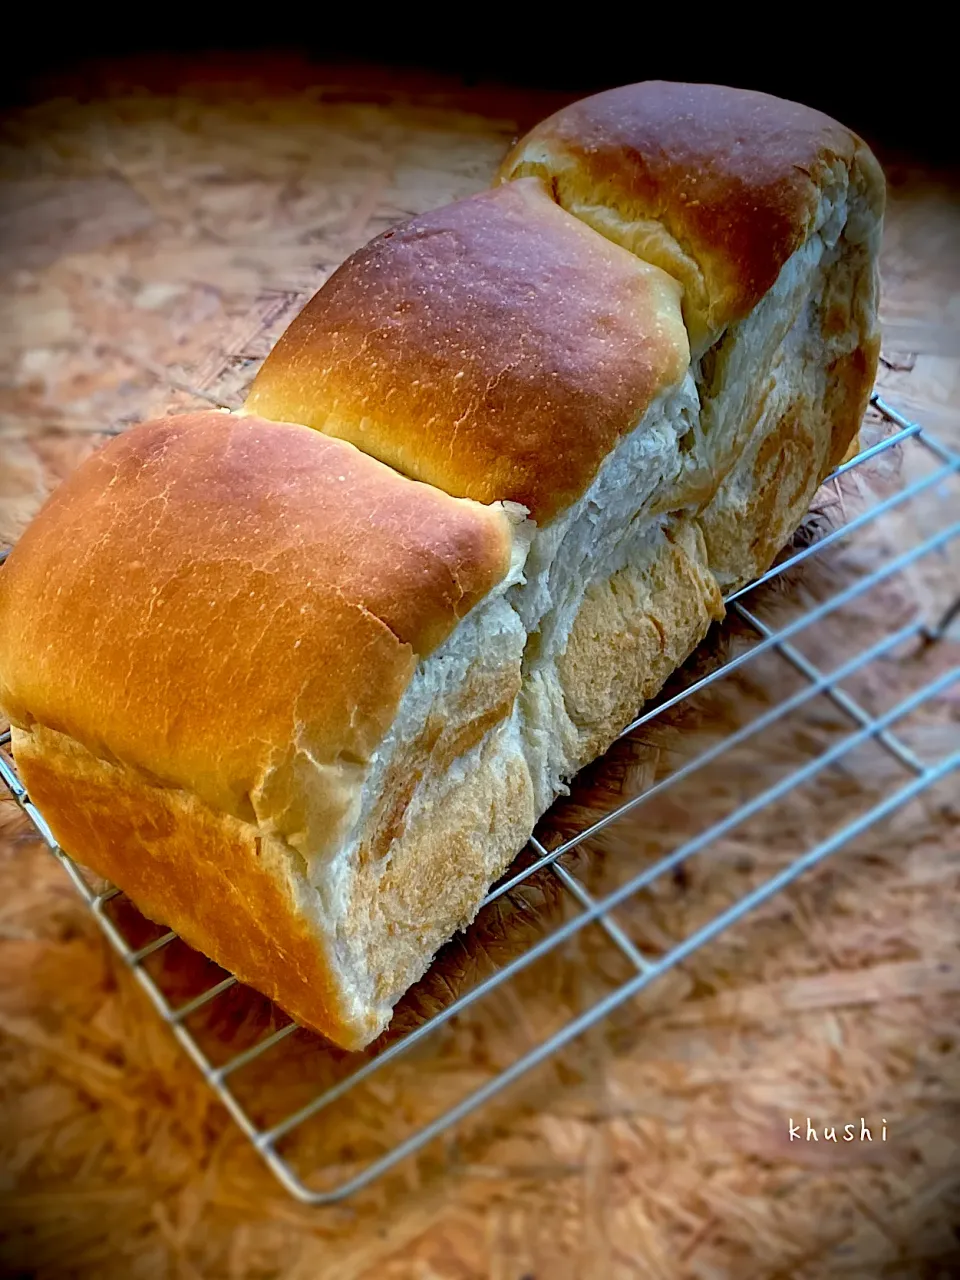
x=141, y=944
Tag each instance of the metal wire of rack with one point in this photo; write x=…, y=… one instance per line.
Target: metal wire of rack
x=590, y=909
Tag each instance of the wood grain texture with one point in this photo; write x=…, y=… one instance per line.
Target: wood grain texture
x=153, y=249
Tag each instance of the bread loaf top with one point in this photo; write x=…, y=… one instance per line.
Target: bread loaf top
x=497, y=348
x=717, y=186
x=235, y=607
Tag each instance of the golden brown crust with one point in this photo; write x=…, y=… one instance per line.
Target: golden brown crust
x=240, y=897
x=718, y=186
x=497, y=348
x=235, y=607
x=849, y=386
x=226, y=889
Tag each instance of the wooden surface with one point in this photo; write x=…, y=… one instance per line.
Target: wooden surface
x=151, y=249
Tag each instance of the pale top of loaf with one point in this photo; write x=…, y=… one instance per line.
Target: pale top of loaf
x=717, y=186
x=235, y=607
x=497, y=348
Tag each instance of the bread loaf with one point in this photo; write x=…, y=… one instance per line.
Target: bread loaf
x=302, y=678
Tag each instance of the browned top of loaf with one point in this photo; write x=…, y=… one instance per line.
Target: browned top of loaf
x=496, y=348
x=232, y=606
x=733, y=177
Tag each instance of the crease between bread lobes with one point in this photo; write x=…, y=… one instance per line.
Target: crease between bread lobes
x=340, y=650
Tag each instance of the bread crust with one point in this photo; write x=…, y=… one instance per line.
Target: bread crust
x=241, y=897
x=718, y=186
x=235, y=608
x=496, y=348
x=226, y=889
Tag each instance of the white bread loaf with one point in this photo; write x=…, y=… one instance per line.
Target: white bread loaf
x=304, y=693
